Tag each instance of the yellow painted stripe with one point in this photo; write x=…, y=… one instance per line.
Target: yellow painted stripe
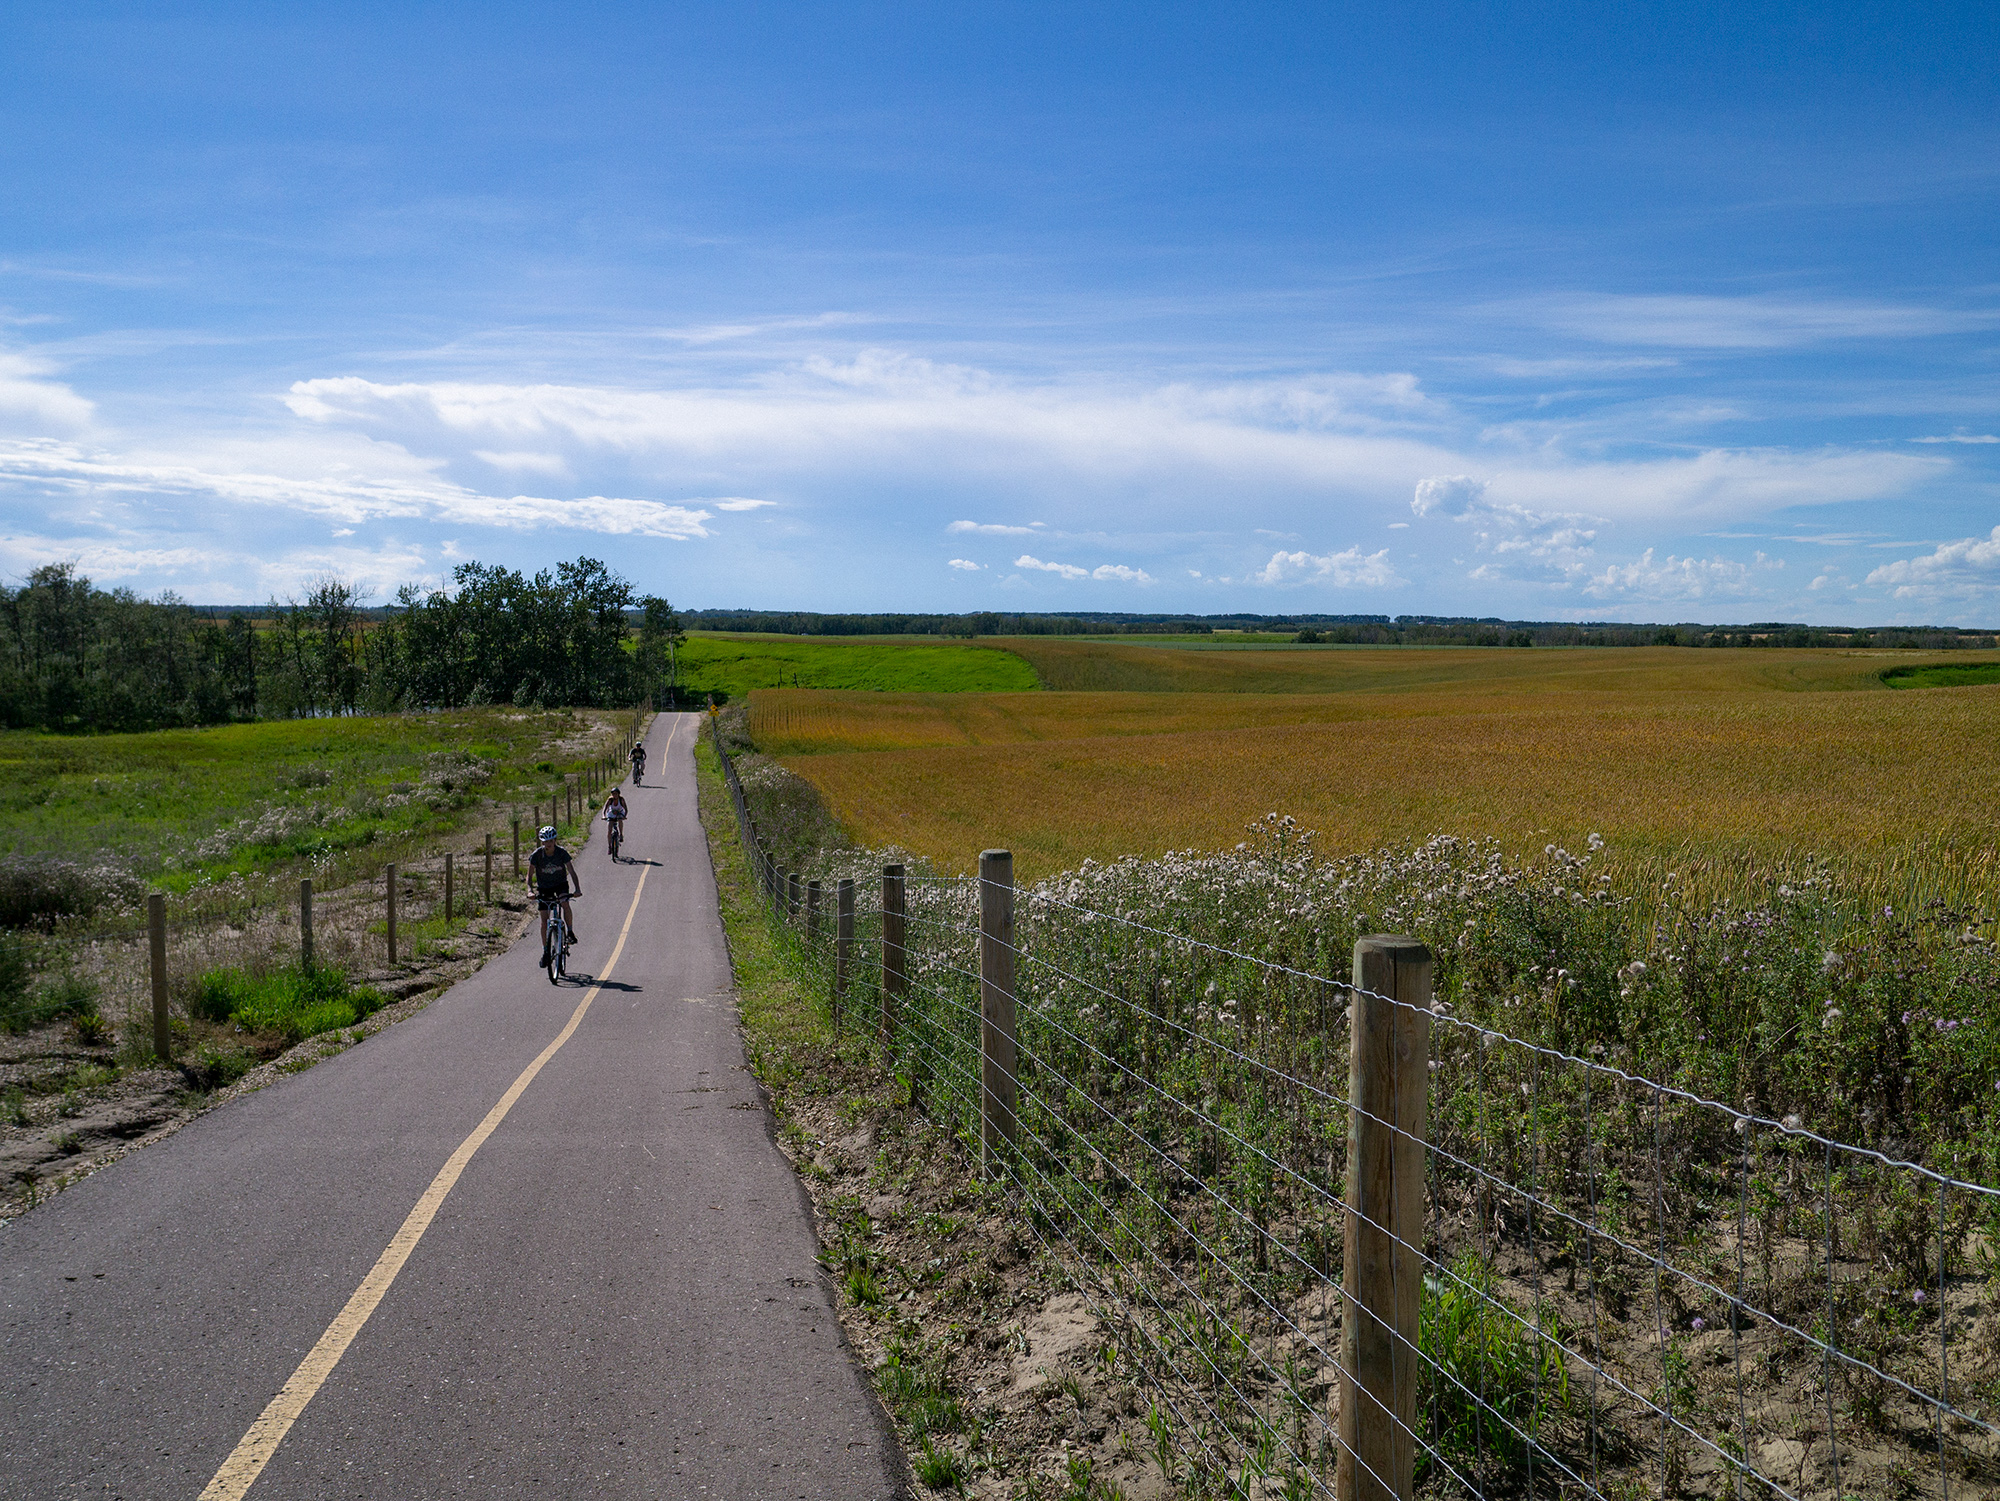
x=246, y=1462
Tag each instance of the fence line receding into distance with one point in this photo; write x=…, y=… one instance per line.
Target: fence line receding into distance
x=1351, y=1244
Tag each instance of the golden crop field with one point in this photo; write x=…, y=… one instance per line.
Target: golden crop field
x=1719, y=755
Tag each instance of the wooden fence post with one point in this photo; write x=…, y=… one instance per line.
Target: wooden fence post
x=449, y=889
x=1383, y=1271
x=306, y=923
x=517, y=846
x=895, y=975
x=156, y=932
x=843, y=941
x=392, y=914
x=486, y=881
x=812, y=913
x=997, y=1098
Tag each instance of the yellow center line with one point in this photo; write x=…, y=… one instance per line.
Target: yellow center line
x=246, y=1462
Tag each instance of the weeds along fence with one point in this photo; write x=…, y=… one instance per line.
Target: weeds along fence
x=401, y=912
x=1350, y=1244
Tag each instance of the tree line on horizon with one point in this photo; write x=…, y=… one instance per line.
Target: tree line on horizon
x=76, y=658
x=1360, y=630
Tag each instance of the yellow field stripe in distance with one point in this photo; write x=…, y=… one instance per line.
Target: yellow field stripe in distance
x=246, y=1462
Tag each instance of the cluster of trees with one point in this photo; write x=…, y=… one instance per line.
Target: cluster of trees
x=557, y=638
x=75, y=657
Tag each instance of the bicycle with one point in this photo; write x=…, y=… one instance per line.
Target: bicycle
x=614, y=835
x=638, y=770
x=555, y=956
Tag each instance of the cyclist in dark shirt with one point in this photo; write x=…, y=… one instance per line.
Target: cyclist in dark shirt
x=552, y=877
x=638, y=760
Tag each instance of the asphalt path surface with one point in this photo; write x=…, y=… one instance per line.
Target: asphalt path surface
x=617, y=1296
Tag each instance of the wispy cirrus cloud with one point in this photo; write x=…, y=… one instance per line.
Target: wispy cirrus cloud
x=992, y=529
x=918, y=421
x=31, y=402
x=1758, y=321
x=55, y=468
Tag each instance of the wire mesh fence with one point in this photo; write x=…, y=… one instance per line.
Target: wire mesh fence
x=1505, y=1271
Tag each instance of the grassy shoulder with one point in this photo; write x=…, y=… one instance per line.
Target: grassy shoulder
x=183, y=808
x=997, y=1377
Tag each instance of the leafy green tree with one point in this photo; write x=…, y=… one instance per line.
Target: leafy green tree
x=656, y=659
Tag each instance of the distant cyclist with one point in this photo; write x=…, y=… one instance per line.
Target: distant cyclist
x=614, y=816
x=638, y=761
x=553, y=878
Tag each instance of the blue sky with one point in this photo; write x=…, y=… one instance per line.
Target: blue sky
x=1634, y=312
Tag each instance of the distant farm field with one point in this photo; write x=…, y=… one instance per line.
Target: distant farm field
x=1747, y=754
x=739, y=664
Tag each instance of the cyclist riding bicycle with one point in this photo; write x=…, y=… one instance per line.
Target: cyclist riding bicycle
x=638, y=760
x=553, y=878
x=614, y=815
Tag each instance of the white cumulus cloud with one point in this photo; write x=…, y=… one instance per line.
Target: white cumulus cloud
x=1968, y=566
x=1066, y=570
x=1447, y=495
x=1107, y=572
x=1347, y=570
x=1676, y=578
x=964, y=564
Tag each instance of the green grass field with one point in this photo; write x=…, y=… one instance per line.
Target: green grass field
x=1944, y=675
x=176, y=807
x=739, y=664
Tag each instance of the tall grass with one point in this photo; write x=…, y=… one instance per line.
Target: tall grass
x=294, y=1003
x=1891, y=782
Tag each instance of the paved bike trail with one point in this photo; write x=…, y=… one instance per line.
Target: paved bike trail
x=617, y=1297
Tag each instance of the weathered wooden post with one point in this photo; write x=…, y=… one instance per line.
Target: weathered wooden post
x=448, y=888
x=997, y=1096
x=306, y=923
x=486, y=880
x=1383, y=1275
x=895, y=975
x=156, y=933
x=843, y=941
x=812, y=913
x=392, y=913
x=517, y=846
